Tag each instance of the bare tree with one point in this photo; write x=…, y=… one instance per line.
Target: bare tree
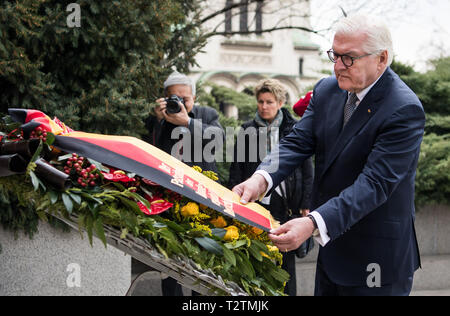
x=313, y=16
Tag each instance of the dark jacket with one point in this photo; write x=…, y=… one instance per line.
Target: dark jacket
x=202, y=119
x=298, y=184
x=365, y=173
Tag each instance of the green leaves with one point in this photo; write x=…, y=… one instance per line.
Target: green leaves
x=67, y=202
x=241, y=261
x=210, y=244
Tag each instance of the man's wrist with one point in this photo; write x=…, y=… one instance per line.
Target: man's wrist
x=315, y=231
x=263, y=184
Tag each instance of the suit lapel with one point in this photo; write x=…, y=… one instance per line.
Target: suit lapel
x=365, y=110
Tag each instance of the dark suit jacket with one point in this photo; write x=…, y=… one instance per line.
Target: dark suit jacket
x=298, y=184
x=364, y=177
x=203, y=119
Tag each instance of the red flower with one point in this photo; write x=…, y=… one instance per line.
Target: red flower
x=157, y=203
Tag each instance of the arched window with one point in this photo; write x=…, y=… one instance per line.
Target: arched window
x=259, y=17
x=243, y=25
x=228, y=17
x=300, y=66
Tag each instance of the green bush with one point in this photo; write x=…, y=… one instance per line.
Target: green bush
x=433, y=171
x=102, y=76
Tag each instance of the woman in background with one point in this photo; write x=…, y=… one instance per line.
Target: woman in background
x=290, y=199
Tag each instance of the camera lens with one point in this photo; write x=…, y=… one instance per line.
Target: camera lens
x=173, y=105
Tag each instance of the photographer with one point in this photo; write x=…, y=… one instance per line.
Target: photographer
x=177, y=121
x=183, y=129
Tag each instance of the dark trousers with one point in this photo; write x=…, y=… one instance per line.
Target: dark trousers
x=289, y=267
x=325, y=287
x=170, y=287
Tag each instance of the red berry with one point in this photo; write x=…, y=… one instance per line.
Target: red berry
x=77, y=165
x=74, y=155
x=83, y=184
x=92, y=183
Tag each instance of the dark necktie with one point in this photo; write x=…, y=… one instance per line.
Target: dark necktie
x=350, y=107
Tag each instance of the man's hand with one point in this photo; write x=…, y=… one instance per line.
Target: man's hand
x=292, y=234
x=160, y=109
x=252, y=189
x=179, y=119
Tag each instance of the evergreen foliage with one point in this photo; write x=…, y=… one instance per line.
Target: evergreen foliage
x=102, y=76
x=433, y=89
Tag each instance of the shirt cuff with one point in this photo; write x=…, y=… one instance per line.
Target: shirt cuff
x=323, y=238
x=268, y=178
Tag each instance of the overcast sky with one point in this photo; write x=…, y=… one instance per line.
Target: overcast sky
x=420, y=28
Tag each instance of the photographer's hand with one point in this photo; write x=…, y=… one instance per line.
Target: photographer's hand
x=180, y=119
x=160, y=109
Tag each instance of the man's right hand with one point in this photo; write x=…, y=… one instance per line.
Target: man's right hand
x=160, y=109
x=252, y=189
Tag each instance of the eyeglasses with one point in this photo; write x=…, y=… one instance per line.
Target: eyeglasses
x=346, y=59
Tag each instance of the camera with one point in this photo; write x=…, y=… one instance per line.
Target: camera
x=173, y=105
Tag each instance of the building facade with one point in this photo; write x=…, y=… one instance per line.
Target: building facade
x=239, y=61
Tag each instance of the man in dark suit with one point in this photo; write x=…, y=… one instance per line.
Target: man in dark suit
x=185, y=135
x=365, y=127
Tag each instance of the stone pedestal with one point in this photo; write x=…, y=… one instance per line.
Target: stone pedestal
x=63, y=264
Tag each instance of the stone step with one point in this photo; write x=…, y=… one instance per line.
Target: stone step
x=445, y=292
x=434, y=275
x=432, y=278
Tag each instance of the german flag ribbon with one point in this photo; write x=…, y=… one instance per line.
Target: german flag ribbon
x=134, y=155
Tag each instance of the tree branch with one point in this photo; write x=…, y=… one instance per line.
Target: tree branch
x=226, y=9
x=211, y=34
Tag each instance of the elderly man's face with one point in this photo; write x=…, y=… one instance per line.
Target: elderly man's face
x=364, y=71
x=184, y=92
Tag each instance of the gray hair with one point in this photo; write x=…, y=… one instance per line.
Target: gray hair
x=177, y=78
x=379, y=37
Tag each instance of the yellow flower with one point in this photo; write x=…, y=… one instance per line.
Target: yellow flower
x=197, y=168
x=272, y=248
x=232, y=233
x=257, y=230
x=203, y=207
x=265, y=254
x=190, y=209
x=219, y=222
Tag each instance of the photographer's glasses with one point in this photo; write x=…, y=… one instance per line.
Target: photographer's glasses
x=346, y=59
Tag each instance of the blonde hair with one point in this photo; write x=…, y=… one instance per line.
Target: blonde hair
x=272, y=86
x=379, y=37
